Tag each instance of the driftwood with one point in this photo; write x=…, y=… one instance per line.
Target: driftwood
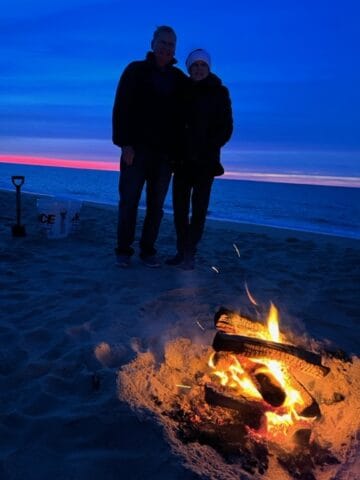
x=294, y=357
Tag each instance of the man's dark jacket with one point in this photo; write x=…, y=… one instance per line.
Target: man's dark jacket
x=209, y=125
x=148, y=107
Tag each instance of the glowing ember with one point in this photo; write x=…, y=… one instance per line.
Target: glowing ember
x=236, y=249
x=251, y=298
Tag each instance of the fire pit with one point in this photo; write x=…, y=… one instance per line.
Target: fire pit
x=257, y=403
x=257, y=368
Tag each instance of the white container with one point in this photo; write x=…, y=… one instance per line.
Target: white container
x=58, y=217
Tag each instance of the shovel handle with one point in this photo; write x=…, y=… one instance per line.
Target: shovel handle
x=18, y=180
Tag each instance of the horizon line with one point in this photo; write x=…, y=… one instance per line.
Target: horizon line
x=293, y=178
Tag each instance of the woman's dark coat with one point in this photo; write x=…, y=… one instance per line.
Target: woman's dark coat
x=209, y=126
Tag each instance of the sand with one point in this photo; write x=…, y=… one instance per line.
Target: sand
x=72, y=323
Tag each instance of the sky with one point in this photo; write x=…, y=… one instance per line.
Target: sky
x=292, y=69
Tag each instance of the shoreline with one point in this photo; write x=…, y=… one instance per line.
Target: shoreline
x=210, y=218
x=254, y=227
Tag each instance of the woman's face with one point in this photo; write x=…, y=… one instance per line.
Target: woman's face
x=199, y=70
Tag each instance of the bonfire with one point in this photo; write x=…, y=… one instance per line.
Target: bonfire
x=257, y=403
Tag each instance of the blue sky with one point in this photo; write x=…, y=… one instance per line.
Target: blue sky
x=292, y=69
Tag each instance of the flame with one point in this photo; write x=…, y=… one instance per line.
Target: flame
x=273, y=331
x=237, y=373
x=273, y=323
x=236, y=377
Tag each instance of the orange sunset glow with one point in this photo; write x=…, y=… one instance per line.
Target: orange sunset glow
x=59, y=162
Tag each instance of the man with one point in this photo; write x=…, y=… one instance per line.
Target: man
x=147, y=121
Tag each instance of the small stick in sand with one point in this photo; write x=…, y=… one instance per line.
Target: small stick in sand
x=182, y=386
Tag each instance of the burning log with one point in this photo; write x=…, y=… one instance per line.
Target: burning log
x=273, y=393
x=310, y=407
x=232, y=323
x=294, y=357
x=268, y=385
x=269, y=388
x=251, y=410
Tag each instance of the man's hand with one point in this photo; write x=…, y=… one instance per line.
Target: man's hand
x=127, y=155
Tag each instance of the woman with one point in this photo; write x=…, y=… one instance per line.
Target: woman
x=208, y=127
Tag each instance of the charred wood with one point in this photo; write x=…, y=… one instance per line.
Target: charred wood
x=301, y=437
x=310, y=408
x=251, y=411
x=270, y=389
x=300, y=464
x=294, y=357
x=230, y=440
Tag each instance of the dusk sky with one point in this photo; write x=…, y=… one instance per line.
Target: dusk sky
x=292, y=69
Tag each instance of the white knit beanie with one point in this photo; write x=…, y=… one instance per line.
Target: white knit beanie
x=197, y=55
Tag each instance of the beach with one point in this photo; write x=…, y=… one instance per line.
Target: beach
x=72, y=320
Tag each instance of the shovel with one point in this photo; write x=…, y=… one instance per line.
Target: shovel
x=18, y=230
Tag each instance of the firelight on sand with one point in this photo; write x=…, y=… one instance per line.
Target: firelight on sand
x=229, y=422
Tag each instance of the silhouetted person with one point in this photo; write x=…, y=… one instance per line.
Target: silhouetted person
x=209, y=126
x=147, y=120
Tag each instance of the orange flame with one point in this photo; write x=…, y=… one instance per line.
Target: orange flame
x=273, y=324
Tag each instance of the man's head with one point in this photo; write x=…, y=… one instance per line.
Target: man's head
x=198, y=64
x=163, y=45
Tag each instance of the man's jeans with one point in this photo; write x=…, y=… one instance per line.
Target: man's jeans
x=154, y=169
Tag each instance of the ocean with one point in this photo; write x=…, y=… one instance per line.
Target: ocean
x=313, y=208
